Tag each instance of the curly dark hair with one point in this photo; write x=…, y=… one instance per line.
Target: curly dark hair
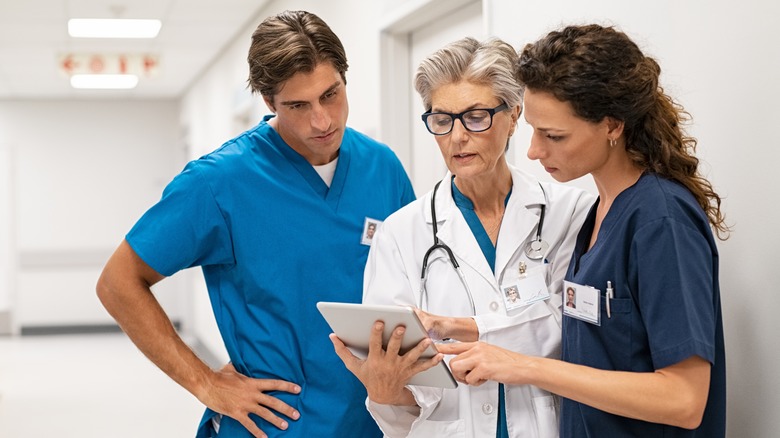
x=601, y=73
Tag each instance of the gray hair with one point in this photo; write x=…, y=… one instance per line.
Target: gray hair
x=490, y=62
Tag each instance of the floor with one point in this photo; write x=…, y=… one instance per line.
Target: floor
x=88, y=386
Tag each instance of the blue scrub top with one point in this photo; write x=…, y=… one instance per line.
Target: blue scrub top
x=656, y=247
x=273, y=239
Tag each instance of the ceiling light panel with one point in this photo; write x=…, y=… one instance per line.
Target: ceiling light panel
x=113, y=28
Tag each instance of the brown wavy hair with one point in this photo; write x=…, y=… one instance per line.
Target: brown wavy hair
x=601, y=73
x=289, y=43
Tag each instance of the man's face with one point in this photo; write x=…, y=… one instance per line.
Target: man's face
x=311, y=113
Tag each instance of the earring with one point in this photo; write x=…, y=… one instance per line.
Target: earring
x=612, y=142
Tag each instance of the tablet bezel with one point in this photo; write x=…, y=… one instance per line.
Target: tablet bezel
x=353, y=323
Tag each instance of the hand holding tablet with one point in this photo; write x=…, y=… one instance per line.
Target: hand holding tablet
x=353, y=324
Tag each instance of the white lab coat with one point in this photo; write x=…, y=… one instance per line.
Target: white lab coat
x=392, y=276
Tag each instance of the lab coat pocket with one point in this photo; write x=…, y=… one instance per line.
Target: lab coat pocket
x=546, y=412
x=449, y=429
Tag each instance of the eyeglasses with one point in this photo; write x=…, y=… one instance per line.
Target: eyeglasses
x=474, y=120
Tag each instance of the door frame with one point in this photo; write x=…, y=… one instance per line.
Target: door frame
x=8, y=251
x=394, y=36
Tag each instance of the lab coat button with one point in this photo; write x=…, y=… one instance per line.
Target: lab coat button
x=487, y=409
x=494, y=306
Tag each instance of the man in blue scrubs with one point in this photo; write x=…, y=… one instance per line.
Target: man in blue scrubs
x=276, y=218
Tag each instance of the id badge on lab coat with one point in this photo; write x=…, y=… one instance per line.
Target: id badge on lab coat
x=528, y=287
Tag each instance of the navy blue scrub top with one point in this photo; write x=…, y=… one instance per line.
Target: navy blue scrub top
x=656, y=247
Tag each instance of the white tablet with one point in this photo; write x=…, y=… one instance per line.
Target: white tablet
x=352, y=323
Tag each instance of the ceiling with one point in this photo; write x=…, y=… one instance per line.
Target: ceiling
x=34, y=44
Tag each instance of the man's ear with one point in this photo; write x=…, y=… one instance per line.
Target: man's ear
x=269, y=102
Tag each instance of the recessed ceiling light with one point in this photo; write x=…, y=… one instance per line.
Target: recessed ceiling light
x=104, y=82
x=113, y=28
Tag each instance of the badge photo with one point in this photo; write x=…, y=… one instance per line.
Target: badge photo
x=581, y=302
x=369, y=228
x=531, y=287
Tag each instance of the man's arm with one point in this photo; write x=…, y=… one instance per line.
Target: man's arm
x=124, y=288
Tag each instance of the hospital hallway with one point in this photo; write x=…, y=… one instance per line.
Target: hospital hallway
x=88, y=386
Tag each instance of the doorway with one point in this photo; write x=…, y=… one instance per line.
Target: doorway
x=405, y=42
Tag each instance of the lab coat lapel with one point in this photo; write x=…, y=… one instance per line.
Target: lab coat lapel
x=520, y=220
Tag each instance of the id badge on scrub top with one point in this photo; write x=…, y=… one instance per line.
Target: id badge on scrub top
x=370, y=226
x=530, y=287
x=581, y=302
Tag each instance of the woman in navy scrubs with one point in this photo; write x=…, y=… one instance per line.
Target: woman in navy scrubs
x=643, y=352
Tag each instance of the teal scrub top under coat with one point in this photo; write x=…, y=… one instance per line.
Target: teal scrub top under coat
x=466, y=207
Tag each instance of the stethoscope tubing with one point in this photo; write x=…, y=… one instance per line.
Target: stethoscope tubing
x=437, y=244
x=534, y=252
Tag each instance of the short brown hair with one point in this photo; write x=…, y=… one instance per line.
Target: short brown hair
x=289, y=43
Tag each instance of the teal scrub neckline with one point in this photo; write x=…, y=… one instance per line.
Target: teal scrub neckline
x=466, y=207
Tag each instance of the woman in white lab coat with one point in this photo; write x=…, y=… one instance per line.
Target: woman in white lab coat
x=512, y=238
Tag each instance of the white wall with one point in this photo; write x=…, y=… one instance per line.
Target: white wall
x=7, y=241
x=83, y=172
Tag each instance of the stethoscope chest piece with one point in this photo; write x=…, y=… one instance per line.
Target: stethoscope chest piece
x=536, y=249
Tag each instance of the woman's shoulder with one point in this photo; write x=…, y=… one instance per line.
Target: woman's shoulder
x=659, y=192
x=554, y=193
x=523, y=177
x=410, y=215
x=655, y=197
x=566, y=192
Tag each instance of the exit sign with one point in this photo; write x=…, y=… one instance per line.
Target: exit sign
x=143, y=65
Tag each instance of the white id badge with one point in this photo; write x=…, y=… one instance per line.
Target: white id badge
x=530, y=288
x=369, y=228
x=581, y=302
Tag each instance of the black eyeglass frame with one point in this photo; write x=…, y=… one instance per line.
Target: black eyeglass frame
x=491, y=111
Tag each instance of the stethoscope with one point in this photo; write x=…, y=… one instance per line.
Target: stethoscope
x=534, y=250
